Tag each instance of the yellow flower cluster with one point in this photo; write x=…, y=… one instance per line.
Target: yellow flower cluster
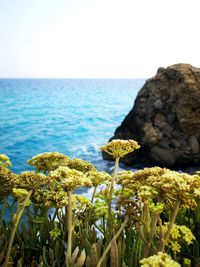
x=120, y=148
x=98, y=178
x=99, y=210
x=4, y=161
x=80, y=165
x=80, y=203
x=55, y=233
x=159, y=260
x=48, y=161
x=49, y=198
x=20, y=193
x=146, y=192
x=31, y=180
x=69, y=179
x=167, y=184
x=179, y=234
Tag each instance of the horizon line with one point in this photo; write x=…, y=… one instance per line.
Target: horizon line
x=73, y=78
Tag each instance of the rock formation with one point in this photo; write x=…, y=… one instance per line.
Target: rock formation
x=165, y=119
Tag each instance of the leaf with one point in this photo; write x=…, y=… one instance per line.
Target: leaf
x=88, y=260
x=196, y=249
x=51, y=255
x=99, y=246
x=114, y=261
x=25, y=234
x=57, y=251
x=19, y=263
x=94, y=256
x=81, y=260
x=87, y=246
x=44, y=256
x=93, y=259
x=2, y=256
x=119, y=248
x=74, y=255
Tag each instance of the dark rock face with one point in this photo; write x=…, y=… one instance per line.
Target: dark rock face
x=165, y=119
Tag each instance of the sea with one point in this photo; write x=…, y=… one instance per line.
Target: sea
x=72, y=116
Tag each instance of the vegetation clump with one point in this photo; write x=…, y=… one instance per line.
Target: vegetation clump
x=144, y=218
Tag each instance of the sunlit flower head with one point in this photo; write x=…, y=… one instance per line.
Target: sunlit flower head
x=98, y=178
x=69, y=179
x=50, y=199
x=32, y=180
x=120, y=148
x=169, y=185
x=48, y=161
x=80, y=165
x=159, y=260
x=4, y=161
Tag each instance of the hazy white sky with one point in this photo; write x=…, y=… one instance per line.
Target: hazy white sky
x=97, y=38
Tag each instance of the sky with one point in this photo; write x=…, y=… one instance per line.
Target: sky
x=96, y=38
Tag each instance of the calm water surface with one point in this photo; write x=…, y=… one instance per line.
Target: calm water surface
x=74, y=117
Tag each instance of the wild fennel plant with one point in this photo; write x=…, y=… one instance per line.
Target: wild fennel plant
x=65, y=229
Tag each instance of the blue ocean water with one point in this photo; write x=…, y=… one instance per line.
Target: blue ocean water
x=71, y=116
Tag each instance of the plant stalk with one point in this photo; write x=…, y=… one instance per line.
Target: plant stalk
x=15, y=223
x=110, y=223
x=69, y=228
x=112, y=241
x=172, y=220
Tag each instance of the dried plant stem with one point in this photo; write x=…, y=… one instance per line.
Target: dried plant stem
x=171, y=223
x=15, y=223
x=112, y=241
x=69, y=229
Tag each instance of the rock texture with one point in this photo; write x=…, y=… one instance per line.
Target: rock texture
x=165, y=119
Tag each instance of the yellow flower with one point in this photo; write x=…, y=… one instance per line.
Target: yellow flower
x=179, y=234
x=146, y=192
x=197, y=192
x=120, y=148
x=159, y=260
x=55, y=233
x=175, y=247
x=98, y=178
x=20, y=193
x=48, y=161
x=69, y=179
x=156, y=208
x=31, y=180
x=4, y=161
x=187, y=235
x=80, y=203
x=50, y=199
x=170, y=185
x=80, y=165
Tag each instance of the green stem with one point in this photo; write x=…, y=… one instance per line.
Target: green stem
x=69, y=229
x=114, y=177
x=93, y=195
x=110, y=223
x=16, y=220
x=172, y=220
x=55, y=214
x=112, y=241
x=3, y=209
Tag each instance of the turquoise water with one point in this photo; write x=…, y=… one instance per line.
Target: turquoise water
x=74, y=117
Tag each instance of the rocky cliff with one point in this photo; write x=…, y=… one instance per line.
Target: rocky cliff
x=165, y=119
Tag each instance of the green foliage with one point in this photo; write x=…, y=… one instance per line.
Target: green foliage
x=44, y=223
